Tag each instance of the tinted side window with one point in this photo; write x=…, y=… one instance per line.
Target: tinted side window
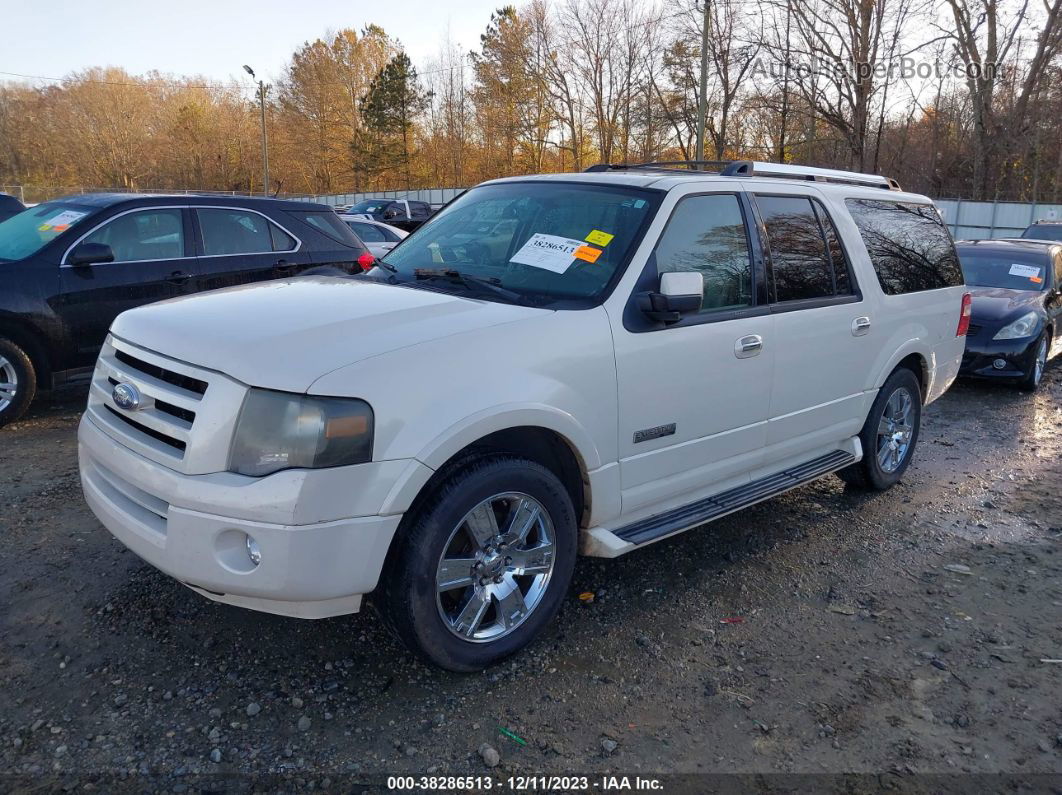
x=330, y=224
x=282, y=241
x=145, y=235
x=908, y=244
x=368, y=233
x=707, y=234
x=801, y=265
x=234, y=231
x=842, y=281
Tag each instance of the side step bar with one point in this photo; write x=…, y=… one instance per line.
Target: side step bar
x=696, y=513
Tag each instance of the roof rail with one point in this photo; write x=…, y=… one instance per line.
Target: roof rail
x=749, y=168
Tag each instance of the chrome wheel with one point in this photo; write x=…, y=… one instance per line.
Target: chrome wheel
x=8, y=383
x=495, y=567
x=1038, y=365
x=895, y=429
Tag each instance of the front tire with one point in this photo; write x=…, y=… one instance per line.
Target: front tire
x=483, y=565
x=889, y=435
x=18, y=382
x=1032, y=379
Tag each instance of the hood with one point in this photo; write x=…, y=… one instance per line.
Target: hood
x=1000, y=305
x=286, y=334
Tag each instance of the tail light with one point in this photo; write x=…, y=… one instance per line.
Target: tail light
x=964, y=316
x=367, y=260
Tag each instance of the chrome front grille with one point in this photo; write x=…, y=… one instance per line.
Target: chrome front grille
x=185, y=415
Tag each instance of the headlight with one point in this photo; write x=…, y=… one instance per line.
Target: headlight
x=1024, y=326
x=278, y=430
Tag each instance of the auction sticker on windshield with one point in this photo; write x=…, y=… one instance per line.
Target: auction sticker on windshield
x=1028, y=271
x=550, y=252
x=63, y=220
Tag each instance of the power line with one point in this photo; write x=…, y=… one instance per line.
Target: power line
x=147, y=81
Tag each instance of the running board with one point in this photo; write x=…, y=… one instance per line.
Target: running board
x=699, y=512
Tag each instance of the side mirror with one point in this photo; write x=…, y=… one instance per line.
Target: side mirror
x=680, y=292
x=90, y=254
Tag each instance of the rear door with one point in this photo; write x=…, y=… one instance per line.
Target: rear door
x=153, y=260
x=237, y=245
x=823, y=329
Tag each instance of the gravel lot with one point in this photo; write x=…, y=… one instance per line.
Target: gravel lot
x=822, y=631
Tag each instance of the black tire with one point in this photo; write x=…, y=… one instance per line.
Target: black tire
x=406, y=597
x=1031, y=381
x=869, y=472
x=15, y=361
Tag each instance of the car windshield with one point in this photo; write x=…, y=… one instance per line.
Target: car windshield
x=548, y=241
x=1043, y=232
x=368, y=206
x=25, y=234
x=1009, y=270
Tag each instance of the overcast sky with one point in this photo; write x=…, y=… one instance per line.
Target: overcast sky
x=215, y=37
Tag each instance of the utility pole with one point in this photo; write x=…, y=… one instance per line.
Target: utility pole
x=702, y=98
x=265, y=139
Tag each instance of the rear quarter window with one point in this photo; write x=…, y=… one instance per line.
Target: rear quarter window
x=909, y=246
x=328, y=223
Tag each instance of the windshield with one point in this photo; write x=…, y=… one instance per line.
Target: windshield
x=368, y=206
x=550, y=240
x=1004, y=269
x=25, y=234
x=1043, y=232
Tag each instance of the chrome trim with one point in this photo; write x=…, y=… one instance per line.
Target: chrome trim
x=296, y=238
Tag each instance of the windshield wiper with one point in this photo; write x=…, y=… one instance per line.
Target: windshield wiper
x=387, y=266
x=491, y=284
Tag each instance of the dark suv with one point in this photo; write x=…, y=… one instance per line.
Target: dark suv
x=68, y=267
x=405, y=214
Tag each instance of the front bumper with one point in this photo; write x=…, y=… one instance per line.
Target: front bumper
x=980, y=354
x=310, y=570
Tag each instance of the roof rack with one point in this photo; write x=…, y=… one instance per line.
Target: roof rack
x=749, y=168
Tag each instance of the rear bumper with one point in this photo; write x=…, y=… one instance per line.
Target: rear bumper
x=306, y=570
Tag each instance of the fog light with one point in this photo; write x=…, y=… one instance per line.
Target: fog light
x=1000, y=364
x=253, y=551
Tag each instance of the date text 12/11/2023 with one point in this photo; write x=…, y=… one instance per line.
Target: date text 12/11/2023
x=525, y=783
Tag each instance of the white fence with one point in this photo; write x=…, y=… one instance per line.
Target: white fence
x=967, y=220
x=981, y=220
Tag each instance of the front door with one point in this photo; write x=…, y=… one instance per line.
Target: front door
x=152, y=261
x=694, y=396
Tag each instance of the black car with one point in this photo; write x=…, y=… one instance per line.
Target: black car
x=68, y=267
x=404, y=214
x=1043, y=230
x=1017, y=308
x=9, y=206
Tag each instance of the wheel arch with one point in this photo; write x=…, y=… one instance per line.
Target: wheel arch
x=28, y=338
x=911, y=358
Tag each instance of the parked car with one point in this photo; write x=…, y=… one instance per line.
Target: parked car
x=68, y=267
x=378, y=237
x=9, y=206
x=1017, y=308
x=404, y=214
x=653, y=349
x=1044, y=230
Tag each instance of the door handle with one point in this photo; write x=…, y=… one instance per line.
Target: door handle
x=179, y=277
x=860, y=326
x=748, y=346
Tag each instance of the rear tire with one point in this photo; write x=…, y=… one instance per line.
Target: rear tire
x=889, y=435
x=467, y=584
x=1032, y=379
x=18, y=382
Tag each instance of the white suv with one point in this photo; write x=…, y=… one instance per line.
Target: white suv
x=551, y=365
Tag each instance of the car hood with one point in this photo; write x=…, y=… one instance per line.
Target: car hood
x=1000, y=305
x=286, y=334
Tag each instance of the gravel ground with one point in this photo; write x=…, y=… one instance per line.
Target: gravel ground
x=823, y=631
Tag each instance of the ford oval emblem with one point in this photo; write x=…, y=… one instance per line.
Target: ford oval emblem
x=126, y=396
